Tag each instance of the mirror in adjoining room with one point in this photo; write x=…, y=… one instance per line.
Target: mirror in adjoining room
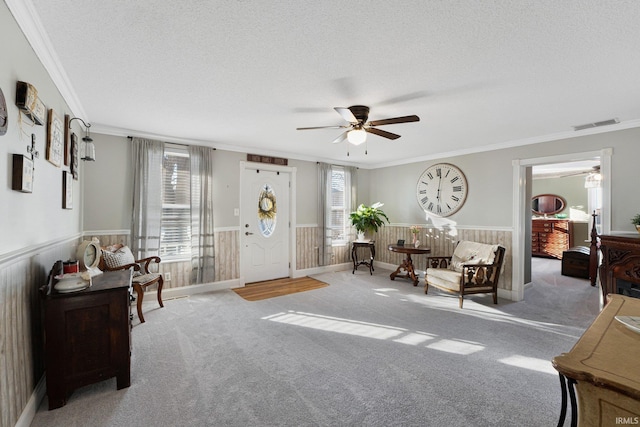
x=547, y=204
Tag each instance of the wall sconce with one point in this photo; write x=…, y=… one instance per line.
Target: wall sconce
x=89, y=148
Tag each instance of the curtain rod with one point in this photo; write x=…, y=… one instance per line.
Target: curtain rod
x=177, y=143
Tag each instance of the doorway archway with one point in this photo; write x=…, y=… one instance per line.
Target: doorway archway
x=522, y=207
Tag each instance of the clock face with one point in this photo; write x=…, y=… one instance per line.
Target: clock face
x=442, y=189
x=88, y=254
x=4, y=121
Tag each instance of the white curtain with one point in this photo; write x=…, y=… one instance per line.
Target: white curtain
x=351, y=185
x=325, y=172
x=147, y=158
x=324, y=214
x=202, y=236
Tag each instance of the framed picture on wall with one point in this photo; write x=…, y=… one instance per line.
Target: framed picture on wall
x=22, y=179
x=55, y=139
x=67, y=190
x=67, y=141
x=74, y=156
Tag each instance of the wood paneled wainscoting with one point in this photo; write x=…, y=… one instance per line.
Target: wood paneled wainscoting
x=307, y=250
x=227, y=250
x=21, y=334
x=442, y=242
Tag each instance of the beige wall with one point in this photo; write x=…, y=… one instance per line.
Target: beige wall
x=490, y=178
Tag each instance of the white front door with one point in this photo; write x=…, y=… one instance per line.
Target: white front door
x=264, y=227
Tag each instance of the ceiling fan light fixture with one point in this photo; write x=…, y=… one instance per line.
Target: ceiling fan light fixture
x=593, y=180
x=357, y=136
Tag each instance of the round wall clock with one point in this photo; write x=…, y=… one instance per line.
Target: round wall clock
x=442, y=189
x=4, y=115
x=88, y=254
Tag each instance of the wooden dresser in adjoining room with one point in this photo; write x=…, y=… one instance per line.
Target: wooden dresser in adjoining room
x=551, y=237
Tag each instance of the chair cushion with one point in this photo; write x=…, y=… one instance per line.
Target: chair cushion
x=144, y=278
x=443, y=278
x=472, y=253
x=118, y=258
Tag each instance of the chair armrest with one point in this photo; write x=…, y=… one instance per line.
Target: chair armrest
x=438, y=261
x=145, y=262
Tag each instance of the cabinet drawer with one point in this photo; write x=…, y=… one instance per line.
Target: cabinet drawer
x=542, y=226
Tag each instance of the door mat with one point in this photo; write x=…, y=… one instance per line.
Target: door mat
x=277, y=288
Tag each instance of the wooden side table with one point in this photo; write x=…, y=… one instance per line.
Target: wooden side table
x=368, y=262
x=407, y=262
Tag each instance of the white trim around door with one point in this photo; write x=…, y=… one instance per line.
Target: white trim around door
x=521, y=205
x=244, y=166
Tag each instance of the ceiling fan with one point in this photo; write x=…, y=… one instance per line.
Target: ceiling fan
x=594, y=170
x=358, y=127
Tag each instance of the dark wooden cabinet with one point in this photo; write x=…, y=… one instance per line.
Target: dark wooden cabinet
x=620, y=268
x=87, y=335
x=551, y=237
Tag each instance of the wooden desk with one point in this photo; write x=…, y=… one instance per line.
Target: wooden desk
x=407, y=262
x=370, y=246
x=603, y=366
x=87, y=335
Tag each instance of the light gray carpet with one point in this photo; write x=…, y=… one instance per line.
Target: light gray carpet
x=364, y=351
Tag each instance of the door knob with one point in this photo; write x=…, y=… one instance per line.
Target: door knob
x=247, y=233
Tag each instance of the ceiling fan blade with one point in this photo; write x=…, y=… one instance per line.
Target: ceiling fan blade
x=382, y=133
x=341, y=138
x=403, y=119
x=323, y=127
x=346, y=114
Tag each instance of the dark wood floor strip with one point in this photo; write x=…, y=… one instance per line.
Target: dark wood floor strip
x=278, y=287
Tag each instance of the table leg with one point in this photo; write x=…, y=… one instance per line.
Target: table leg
x=563, y=405
x=407, y=265
x=410, y=271
x=353, y=258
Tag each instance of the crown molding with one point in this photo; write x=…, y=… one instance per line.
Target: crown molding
x=29, y=22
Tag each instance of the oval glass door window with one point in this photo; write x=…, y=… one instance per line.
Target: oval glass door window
x=267, y=211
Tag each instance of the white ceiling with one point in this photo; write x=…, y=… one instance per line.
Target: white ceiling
x=243, y=75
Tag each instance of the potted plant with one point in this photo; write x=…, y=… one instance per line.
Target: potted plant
x=636, y=221
x=368, y=219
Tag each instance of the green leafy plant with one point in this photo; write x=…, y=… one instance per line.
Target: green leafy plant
x=636, y=220
x=368, y=218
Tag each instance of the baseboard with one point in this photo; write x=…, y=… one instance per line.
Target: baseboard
x=506, y=294
x=29, y=411
x=322, y=269
x=184, y=291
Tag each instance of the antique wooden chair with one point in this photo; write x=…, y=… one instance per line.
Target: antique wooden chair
x=119, y=257
x=472, y=269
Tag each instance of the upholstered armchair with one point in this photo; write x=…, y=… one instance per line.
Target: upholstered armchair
x=473, y=268
x=119, y=257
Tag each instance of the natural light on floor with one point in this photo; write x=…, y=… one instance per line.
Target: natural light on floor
x=373, y=330
x=484, y=312
x=531, y=363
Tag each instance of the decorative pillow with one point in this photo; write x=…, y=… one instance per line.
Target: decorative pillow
x=122, y=256
x=457, y=262
x=472, y=253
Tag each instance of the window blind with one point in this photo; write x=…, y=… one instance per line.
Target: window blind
x=175, y=238
x=339, y=203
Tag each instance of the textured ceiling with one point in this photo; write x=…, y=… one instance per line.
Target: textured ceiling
x=243, y=75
